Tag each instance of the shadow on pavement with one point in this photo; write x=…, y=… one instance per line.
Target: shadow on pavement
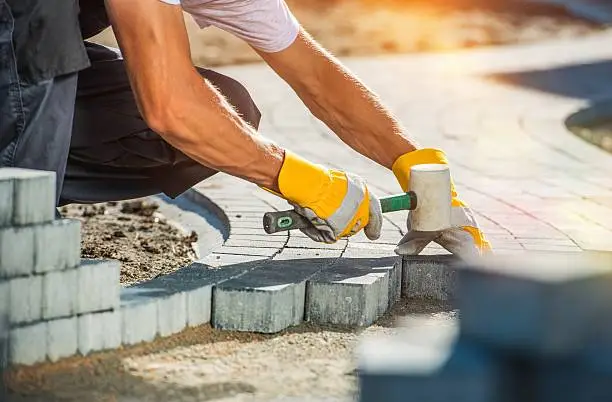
x=591, y=81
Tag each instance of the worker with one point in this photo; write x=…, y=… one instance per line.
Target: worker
x=119, y=125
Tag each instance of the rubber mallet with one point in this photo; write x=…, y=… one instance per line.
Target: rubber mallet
x=429, y=200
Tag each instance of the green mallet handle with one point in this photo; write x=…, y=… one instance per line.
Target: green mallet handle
x=274, y=222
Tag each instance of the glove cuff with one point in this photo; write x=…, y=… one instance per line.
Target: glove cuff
x=401, y=167
x=302, y=182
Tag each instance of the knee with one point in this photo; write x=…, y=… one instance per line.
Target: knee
x=236, y=94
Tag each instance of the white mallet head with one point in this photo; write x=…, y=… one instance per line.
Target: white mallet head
x=432, y=185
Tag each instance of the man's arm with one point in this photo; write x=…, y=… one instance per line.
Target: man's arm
x=337, y=97
x=176, y=102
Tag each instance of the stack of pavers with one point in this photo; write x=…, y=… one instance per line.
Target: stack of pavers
x=57, y=306
x=531, y=328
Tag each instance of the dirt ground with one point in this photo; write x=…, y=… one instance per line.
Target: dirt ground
x=136, y=235
x=203, y=364
x=373, y=27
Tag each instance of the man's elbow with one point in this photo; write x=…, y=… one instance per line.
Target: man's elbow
x=160, y=114
x=159, y=120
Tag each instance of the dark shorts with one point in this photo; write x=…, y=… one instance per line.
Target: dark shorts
x=110, y=153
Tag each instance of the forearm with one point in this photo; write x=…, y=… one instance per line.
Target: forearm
x=201, y=123
x=355, y=114
x=186, y=110
x=337, y=97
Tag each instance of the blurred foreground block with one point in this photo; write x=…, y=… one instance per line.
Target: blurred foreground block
x=544, y=304
x=429, y=362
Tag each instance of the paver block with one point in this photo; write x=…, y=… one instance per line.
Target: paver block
x=59, y=293
x=4, y=341
x=306, y=242
x=25, y=299
x=353, y=292
x=171, y=314
x=429, y=276
x=99, y=331
x=98, y=285
x=431, y=365
x=62, y=338
x=16, y=251
x=268, y=299
x=542, y=303
x=307, y=254
x=185, y=296
x=27, y=344
x=138, y=315
x=257, y=251
x=57, y=245
x=199, y=306
x=6, y=201
x=33, y=195
x=224, y=260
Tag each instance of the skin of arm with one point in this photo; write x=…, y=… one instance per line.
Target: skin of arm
x=177, y=103
x=336, y=97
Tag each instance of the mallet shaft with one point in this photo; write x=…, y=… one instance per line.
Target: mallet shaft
x=274, y=222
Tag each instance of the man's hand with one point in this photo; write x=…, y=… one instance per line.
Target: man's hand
x=336, y=203
x=464, y=238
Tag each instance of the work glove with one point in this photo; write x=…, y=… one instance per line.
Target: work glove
x=464, y=238
x=337, y=204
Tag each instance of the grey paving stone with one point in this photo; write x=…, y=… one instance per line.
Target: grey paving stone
x=99, y=331
x=267, y=299
x=16, y=251
x=222, y=260
x=429, y=276
x=98, y=285
x=25, y=299
x=184, y=297
x=62, y=338
x=542, y=304
x=250, y=241
x=256, y=251
x=431, y=365
x=59, y=294
x=28, y=344
x=304, y=242
x=306, y=254
x=255, y=232
x=6, y=201
x=138, y=315
x=57, y=245
x=34, y=195
x=352, y=292
x=199, y=306
x=171, y=314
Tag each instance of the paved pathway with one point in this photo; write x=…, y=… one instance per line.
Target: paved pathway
x=499, y=115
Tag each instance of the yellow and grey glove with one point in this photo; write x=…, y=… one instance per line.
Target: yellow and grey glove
x=464, y=238
x=337, y=204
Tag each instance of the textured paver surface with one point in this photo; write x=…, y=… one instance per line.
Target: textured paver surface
x=497, y=112
x=499, y=115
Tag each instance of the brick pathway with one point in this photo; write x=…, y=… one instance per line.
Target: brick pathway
x=499, y=115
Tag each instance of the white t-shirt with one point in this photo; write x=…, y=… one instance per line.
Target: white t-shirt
x=267, y=25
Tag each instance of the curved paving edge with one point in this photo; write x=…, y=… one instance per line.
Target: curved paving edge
x=579, y=122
